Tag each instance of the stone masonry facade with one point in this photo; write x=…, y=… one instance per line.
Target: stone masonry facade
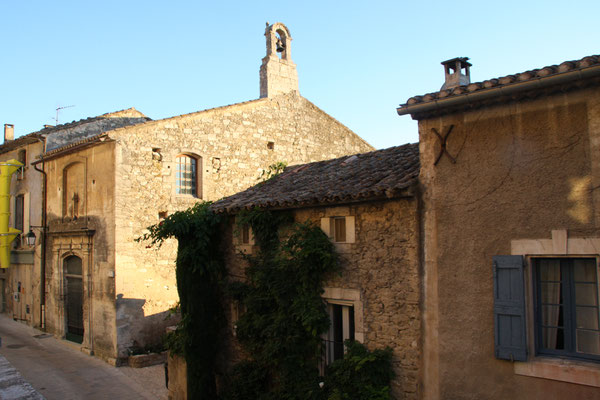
x=233, y=145
x=380, y=275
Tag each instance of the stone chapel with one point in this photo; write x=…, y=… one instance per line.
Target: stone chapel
x=110, y=177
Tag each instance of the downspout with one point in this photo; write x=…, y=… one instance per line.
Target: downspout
x=43, y=244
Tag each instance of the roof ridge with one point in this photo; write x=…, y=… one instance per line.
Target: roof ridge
x=373, y=175
x=519, y=77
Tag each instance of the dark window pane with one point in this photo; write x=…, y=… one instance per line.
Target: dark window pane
x=186, y=175
x=551, y=315
x=73, y=265
x=586, y=294
x=584, y=270
x=338, y=333
x=550, y=270
x=588, y=342
x=19, y=212
x=553, y=338
x=550, y=293
x=340, y=229
x=245, y=234
x=587, y=317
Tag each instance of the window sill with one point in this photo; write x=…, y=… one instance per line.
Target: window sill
x=245, y=248
x=342, y=247
x=572, y=371
x=187, y=197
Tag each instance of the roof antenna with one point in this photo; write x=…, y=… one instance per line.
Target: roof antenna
x=57, y=110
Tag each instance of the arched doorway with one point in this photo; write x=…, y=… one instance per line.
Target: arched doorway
x=74, y=298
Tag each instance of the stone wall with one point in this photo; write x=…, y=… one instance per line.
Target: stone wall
x=233, y=144
x=522, y=170
x=90, y=237
x=381, y=268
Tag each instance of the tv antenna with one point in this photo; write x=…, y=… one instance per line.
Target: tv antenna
x=58, y=109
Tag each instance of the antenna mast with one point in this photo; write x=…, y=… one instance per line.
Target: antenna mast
x=58, y=109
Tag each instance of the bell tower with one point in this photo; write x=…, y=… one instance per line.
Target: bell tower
x=278, y=73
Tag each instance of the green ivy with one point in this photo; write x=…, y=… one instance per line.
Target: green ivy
x=280, y=332
x=360, y=375
x=272, y=171
x=200, y=275
x=285, y=315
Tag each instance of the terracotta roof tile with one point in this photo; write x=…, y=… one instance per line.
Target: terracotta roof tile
x=567, y=66
x=377, y=174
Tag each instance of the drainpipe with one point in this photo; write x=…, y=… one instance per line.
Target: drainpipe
x=43, y=243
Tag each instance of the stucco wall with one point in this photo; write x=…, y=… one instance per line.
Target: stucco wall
x=382, y=267
x=25, y=275
x=90, y=237
x=233, y=144
x=522, y=170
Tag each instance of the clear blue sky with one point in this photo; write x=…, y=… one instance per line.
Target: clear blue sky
x=357, y=60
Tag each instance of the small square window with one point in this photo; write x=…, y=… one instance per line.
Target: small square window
x=243, y=238
x=338, y=229
x=245, y=234
x=270, y=145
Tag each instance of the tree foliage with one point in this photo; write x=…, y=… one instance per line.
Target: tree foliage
x=200, y=275
x=285, y=315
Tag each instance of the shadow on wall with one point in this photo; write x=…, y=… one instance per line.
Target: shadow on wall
x=138, y=333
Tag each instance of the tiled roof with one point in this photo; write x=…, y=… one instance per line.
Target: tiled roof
x=73, y=124
x=20, y=141
x=378, y=174
x=505, y=81
x=101, y=137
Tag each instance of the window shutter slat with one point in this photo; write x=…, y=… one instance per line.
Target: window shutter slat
x=510, y=342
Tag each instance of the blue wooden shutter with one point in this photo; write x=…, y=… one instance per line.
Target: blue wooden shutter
x=509, y=308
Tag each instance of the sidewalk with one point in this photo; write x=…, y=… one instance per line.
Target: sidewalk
x=58, y=371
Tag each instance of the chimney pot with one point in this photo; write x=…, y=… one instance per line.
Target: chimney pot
x=9, y=132
x=453, y=71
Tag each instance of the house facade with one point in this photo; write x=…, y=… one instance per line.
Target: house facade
x=20, y=286
x=110, y=177
x=371, y=213
x=511, y=233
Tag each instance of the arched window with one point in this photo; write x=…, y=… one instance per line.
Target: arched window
x=188, y=175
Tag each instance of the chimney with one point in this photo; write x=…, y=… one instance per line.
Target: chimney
x=9, y=132
x=453, y=70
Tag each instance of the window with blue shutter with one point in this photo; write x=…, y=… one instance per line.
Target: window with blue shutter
x=510, y=341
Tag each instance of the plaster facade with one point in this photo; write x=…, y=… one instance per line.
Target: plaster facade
x=524, y=181
x=20, y=284
x=380, y=277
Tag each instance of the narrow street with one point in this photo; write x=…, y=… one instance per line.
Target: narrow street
x=32, y=361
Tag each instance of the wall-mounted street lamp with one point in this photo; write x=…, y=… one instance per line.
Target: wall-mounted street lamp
x=30, y=239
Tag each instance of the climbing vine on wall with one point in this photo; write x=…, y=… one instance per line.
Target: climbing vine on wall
x=284, y=314
x=200, y=275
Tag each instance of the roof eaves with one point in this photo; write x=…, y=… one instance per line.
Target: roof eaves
x=93, y=140
x=504, y=87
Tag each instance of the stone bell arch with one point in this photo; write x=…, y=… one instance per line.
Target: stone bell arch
x=278, y=73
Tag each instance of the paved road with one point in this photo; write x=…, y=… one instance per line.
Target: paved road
x=58, y=371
